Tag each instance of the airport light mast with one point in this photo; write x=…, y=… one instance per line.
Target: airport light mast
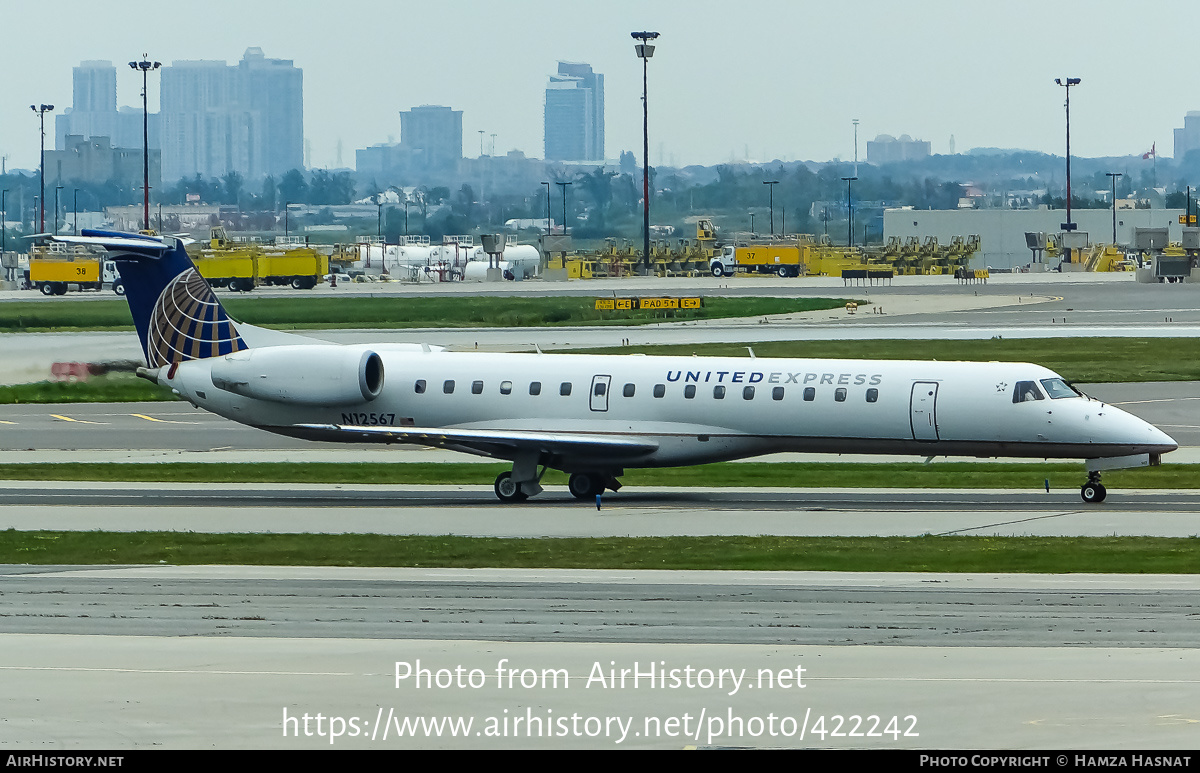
x=771, y=187
x=145, y=66
x=41, y=111
x=1112, y=176
x=1067, y=83
x=849, y=213
x=644, y=51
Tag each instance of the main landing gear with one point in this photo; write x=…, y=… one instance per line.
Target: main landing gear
x=1093, y=492
x=524, y=481
x=586, y=485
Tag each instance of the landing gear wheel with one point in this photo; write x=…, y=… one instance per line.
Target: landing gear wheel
x=1093, y=492
x=508, y=490
x=584, y=485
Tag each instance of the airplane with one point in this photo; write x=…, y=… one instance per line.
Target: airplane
x=595, y=416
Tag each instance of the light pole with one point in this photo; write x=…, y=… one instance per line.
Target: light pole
x=3, y=218
x=57, y=188
x=849, y=212
x=145, y=66
x=1067, y=83
x=75, y=224
x=549, y=230
x=855, y=122
x=564, y=197
x=644, y=51
x=286, y=207
x=1112, y=176
x=41, y=111
x=771, y=187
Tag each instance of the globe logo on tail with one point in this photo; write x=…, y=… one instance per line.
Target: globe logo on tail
x=188, y=323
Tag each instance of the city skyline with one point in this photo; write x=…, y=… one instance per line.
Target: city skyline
x=764, y=81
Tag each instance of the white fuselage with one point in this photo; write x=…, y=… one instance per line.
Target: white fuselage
x=703, y=409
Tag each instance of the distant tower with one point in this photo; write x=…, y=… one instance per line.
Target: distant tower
x=952, y=144
x=574, y=117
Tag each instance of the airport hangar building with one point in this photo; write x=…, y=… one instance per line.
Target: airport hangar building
x=1002, y=231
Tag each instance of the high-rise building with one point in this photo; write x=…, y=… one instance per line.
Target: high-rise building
x=436, y=132
x=94, y=113
x=575, y=114
x=886, y=149
x=216, y=119
x=1188, y=138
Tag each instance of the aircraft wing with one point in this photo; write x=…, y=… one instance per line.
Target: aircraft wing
x=489, y=442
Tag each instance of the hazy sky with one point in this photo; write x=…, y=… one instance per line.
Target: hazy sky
x=758, y=79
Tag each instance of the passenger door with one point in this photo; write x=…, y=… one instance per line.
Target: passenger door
x=923, y=410
x=599, y=393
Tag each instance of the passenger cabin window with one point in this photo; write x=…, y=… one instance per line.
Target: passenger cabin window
x=660, y=390
x=564, y=389
x=839, y=394
x=506, y=387
x=718, y=392
x=872, y=395
x=777, y=393
x=420, y=387
x=689, y=391
x=1026, y=391
x=748, y=393
x=476, y=387
x=629, y=390
x=535, y=387
x=1058, y=389
x=448, y=387
x=810, y=394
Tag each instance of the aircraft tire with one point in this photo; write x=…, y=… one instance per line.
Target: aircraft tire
x=507, y=490
x=1093, y=493
x=584, y=486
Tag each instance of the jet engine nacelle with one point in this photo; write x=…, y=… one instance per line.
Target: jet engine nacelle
x=316, y=374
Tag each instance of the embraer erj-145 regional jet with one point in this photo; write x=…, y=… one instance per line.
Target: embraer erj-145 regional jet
x=594, y=416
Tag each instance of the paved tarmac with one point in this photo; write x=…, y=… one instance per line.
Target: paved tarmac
x=236, y=658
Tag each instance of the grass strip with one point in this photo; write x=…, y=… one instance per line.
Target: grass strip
x=1053, y=555
x=109, y=388
x=400, y=312
x=950, y=475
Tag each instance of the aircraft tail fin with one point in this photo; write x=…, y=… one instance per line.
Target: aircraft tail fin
x=176, y=313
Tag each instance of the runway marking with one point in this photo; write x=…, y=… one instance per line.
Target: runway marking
x=77, y=421
x=160, y=421
x=1010, y=523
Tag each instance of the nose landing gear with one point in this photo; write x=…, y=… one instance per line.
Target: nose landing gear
x=1093, y=492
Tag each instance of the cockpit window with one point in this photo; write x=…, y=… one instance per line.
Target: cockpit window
x=1058, y=389
x=1026, y=391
